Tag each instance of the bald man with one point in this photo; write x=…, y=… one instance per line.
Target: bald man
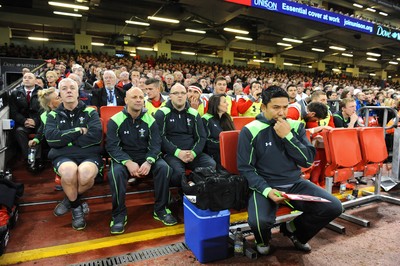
x=134, y=144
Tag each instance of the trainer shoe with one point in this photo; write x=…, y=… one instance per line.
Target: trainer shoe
x=78, y=218
x=65, y=205
x=297, y=244
x=62, y=208
x=263, y=249
x=118, y=227
x=166, y=217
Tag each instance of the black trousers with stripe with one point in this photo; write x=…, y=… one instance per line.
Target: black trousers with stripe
x=315, y=216
x=118, y=176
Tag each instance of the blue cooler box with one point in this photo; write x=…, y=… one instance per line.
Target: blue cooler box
x=206, y=232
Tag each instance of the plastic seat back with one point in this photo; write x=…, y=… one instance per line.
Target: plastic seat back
x=373, y=147
x=344, y=153
x=228, y=141
x=344, y=147
x=241, y=121
x=106, y=112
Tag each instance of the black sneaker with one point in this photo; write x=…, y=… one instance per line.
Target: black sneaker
x=118, y=227
x=62, y=208
x=78, y=218
x=297, y=244
x=166, y=217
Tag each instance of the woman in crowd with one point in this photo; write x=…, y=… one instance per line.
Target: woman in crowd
x=215, y=121
x=49, y=101
x=51, y=77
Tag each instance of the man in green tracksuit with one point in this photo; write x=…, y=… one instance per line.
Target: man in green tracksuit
x=271, y=151
x=73, y=132
x=134, y=144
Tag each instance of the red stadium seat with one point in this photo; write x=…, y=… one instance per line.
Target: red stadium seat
x=228, y=141
x=373, y=149
x=241, y=121
x=343, y=148
x=106, y=112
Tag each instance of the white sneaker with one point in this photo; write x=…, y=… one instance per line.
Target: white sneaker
x=263, y=249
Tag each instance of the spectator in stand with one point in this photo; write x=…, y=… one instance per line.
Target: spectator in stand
x=142, y=84
x=134, y=77
x=292, y=92
x=204, y=85
x=333, y=104
x=25, y=110
x=155, y=100
x=178, y=77
x=50, y=64
x=110, y=95
x=194, y=98
x=360, y=98
x=41, y=82
x=73, y=132
x=250, y=104
x=346, y=94
x=99, y=83
x=237, y=90
x=183, y=135
x=300, y=92
x=139, y=159
x=51, y=78
x=215, y=121
x=123, y=80
x=169, y=82
x=85, y=89
x=220, y=88
x=347, y=116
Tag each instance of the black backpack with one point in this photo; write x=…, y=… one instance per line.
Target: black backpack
x=216, y=190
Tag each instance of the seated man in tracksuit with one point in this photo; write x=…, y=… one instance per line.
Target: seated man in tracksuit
x=271, y=151
x=73, y=132
x=183, y=135
x=134, y=144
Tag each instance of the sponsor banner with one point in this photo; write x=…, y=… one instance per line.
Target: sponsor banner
x=10, y=64
x=387, y=32
x=310, y=13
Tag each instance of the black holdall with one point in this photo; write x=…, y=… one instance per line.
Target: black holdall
x=216, y=190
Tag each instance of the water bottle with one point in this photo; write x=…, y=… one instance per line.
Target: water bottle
x=32, y=156
x=238, y=243
x=342, y=188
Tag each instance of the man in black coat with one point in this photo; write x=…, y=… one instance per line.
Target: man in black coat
x=109, y=95
x=24, y=110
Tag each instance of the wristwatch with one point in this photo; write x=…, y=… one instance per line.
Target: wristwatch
x=151, y=162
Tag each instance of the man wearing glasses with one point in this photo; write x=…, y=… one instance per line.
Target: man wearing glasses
x=183, y=135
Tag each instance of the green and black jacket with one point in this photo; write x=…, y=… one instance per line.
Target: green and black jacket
x=63, y=134
x=180, y=130
x=133, y=139
x=268, y=161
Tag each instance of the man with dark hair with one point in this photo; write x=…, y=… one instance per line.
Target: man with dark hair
x=220, y=87
x=194, y=98
x=271, y=151
x=24, y=110
x=250, y=104
x=155, y=100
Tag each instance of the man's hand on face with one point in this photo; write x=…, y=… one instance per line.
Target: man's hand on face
x=282, y=127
